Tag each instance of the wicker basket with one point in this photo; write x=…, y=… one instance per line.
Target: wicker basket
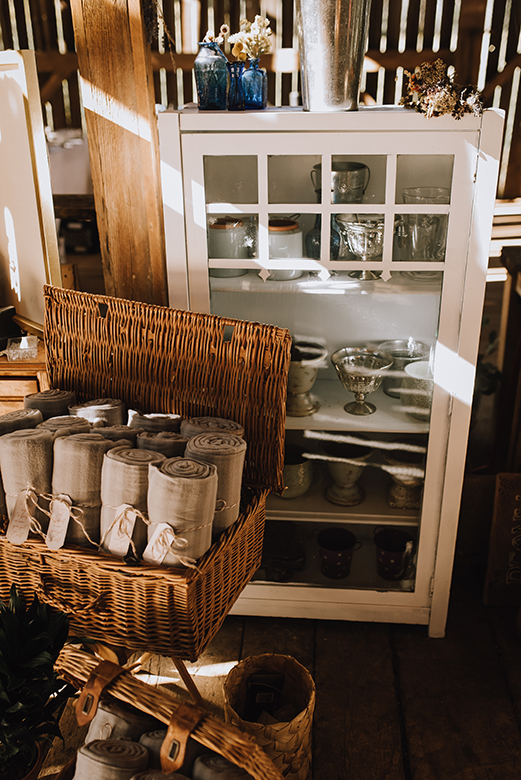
x=77, y=667
x=288, y=744
x=169, y=361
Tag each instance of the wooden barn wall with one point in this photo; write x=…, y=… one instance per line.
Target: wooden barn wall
x=481, y=39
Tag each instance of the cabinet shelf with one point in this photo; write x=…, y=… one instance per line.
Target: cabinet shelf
x=314, y=507
x=363, y=574
x=339, y=283
x=389, y=415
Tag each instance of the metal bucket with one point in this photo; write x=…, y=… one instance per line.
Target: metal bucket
x=332, y=40
x=349, y=180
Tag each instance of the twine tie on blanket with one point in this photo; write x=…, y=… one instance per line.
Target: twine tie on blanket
x=227, y=452
x=26, y=458
x=182, y=493
x=124, y=481
x=51, y=403
x=78, y=460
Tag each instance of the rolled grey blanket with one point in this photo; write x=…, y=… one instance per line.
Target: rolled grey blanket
x=227, y=452
x=109, y=411
x=214, y=767
x=19, y=420
x=66, y=425
x=191, y=426
x=171, y=444
x=119, y=432
x=115, y=720
x=51, y=403
x=153, y=740
x=26, y=459
x=110, y=759
x=124, y=480
x=154, y=422
x=78, y=460
x=182, y=493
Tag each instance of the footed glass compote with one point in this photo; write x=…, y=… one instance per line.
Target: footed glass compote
x=364, y=238
x=360, y=371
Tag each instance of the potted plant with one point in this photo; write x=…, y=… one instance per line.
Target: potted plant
x=31, y=695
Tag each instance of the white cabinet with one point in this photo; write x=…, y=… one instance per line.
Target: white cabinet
x=254, y=205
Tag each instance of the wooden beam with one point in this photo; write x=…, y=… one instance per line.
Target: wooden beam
x=118, y=96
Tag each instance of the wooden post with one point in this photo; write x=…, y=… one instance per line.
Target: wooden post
x=118, y=96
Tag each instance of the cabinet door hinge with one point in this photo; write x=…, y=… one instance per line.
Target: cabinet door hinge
x=431, y=586
x=451, y=404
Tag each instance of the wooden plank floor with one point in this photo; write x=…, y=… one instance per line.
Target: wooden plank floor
x=392, y=704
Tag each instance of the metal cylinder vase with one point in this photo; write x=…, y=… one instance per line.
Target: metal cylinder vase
x=332, y=41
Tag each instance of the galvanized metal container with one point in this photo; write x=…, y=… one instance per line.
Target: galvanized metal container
x=332, y=42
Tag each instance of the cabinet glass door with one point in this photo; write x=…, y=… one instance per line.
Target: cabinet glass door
x=353, y=251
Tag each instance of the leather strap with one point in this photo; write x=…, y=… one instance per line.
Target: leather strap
x=182, y=723
x=100, y=678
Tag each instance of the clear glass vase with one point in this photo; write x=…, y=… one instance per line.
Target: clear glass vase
x=255, y=86
x=211, y=76
x=235, y=90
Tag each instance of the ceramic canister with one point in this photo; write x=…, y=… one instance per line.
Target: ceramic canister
x=285, y=240
x=227, y=239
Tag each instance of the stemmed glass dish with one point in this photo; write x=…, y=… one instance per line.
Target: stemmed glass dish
x=364, y=238
x=360, y=369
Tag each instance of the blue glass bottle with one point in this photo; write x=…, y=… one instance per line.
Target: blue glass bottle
x=211, y=76
x=313, y=241
x=235, y=90
x=255, y=86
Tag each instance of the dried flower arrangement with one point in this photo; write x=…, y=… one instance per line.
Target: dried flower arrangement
x=252, y=40
x=210, y=35
x=432, y=92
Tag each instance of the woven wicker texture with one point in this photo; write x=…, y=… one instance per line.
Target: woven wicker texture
x=169, y=361
x=288, y=744
x=169, y=611
x=76, y=666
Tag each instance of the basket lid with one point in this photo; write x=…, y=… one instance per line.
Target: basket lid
x=158, y=359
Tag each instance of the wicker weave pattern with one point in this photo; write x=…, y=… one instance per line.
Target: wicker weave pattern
x=287, y=744
x=165, y=360
x=165, y=611
x=76, y=667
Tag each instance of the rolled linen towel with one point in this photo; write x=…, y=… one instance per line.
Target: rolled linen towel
x=109, y=411
x=215, y=767
x=154, y=422
x=124, y=481
x=78, y=460
x=110, y=759
x=26, y=460
x=153, y=741
x=181, y=494
x=192, y=426
x=66, y=425
x=227, y=452
x=171, y=444
x=51, y=403
x=119, y=432
x=115, y=720
x=19, y=419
